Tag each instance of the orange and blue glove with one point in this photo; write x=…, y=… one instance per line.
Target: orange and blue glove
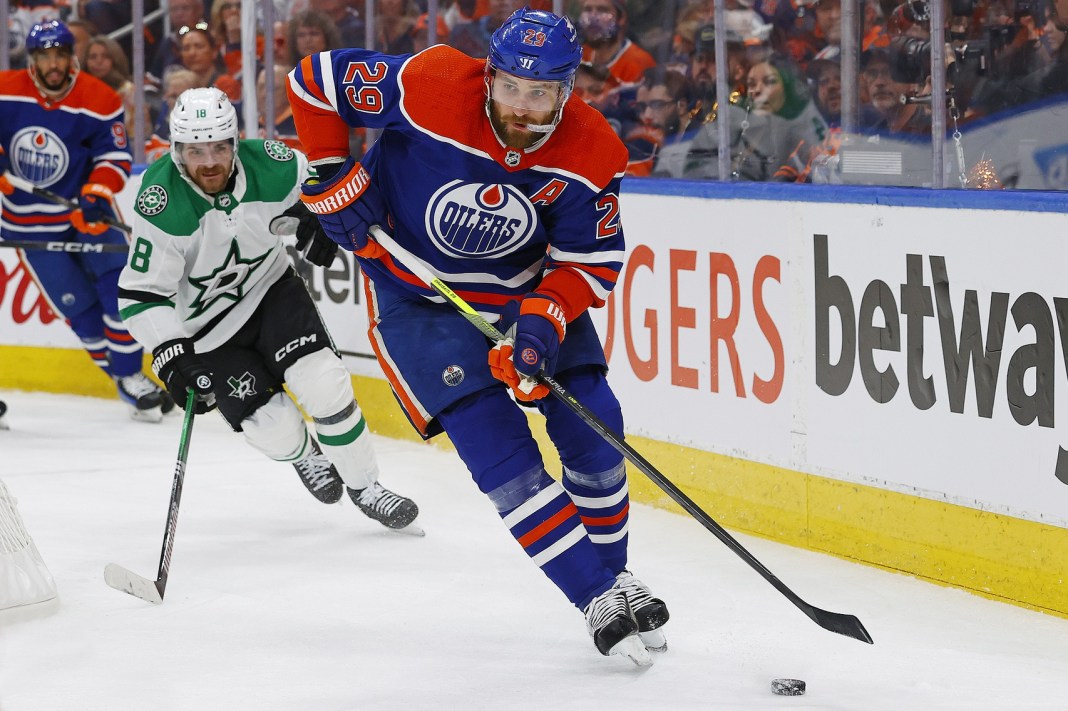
x=95, y=204
x=531, y=345
x=347, y=204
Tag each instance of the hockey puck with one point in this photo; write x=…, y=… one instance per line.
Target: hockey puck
x=788, y=687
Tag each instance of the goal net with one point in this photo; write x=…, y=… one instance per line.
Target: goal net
x=24, y=578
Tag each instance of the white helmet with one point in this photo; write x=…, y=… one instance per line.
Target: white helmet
x=201, y=116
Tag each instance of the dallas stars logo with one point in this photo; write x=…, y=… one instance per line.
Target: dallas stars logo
x=226, y=282
x=242, y=387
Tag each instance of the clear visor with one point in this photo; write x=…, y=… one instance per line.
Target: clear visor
x=525, y=94
x=195, y=155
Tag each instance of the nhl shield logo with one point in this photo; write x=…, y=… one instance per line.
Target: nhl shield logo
x=453, y=375
x=511, y=158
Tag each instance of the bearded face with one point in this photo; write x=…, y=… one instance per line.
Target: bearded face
x=598, y=23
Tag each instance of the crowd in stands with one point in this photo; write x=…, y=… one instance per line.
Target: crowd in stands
x=648, y=65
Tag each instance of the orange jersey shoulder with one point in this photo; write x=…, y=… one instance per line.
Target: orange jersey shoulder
x=88, y=93
x=93, y=95
x=445, y=94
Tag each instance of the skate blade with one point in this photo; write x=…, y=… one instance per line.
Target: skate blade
x=654, y=640
x=412, y=529
x=632, y=648
x=152, y=414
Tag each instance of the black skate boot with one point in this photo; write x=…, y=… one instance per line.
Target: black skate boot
x=143, y=396
x=389, y=509
x=320, y=476
x=650, y=612
x=614, y=629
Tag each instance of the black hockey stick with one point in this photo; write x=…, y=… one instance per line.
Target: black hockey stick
x=28, y=187
x=122, y=579
x=843, y=624
x=60, y=246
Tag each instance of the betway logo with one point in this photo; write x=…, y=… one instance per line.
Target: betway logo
x=965, y=352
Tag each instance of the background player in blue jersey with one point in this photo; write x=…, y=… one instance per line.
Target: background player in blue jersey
x=64, y=131
x=487, y=174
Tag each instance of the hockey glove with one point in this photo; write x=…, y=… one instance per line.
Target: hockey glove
x=531, y=345
x=176, y=364
x=5, y=187
x=298, y=220
x=96, y=203
x=348, y=204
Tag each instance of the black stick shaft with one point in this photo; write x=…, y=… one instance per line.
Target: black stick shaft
x=176, y=493
x=26, y=186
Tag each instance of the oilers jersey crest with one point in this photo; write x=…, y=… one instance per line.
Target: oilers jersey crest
x=60, y=146
x=490, y=220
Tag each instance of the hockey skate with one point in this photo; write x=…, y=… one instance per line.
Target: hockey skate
x=650, y=612
x=143, y=396
x=319, y=475
x=389, y=509
x=611, y=623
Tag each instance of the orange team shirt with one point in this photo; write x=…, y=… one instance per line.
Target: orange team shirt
x=626, y=68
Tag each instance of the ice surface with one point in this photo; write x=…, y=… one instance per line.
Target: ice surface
x=276, y=601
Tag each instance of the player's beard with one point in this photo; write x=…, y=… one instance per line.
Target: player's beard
x=211, y=178
x=512, y=136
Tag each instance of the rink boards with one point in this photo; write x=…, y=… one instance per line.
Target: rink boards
x=875, y=381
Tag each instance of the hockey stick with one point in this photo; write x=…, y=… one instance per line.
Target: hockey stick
x=28, y=187
x=848, y=625
x=59, y=246
x=122, y=579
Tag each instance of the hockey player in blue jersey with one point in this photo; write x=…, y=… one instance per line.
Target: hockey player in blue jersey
x=489, y=175
x=63, y=130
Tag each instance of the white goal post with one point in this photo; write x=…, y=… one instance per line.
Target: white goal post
x=24, y=578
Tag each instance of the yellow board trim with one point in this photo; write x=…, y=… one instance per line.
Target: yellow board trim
x=996, y=556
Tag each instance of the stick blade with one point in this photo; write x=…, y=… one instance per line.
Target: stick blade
x=848, y=625
x=128, y=582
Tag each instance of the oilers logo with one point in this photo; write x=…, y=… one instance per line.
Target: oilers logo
x=39, y=156
x=476, y=220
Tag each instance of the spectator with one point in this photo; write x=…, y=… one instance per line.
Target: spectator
x=83, y=32
x=781, y=147
x=225, y=24
x=182, y=13
x=201, y=56
x=394, y=22
x=106, y=61
x=892, y=115
x=175, y=81
x=284, y=129
x=603, y=26
x=661, y=108
x=473, y=38
x=311, y=32
x=346, y=19
x=105, y=15
x=702, y=71
x=421, y=31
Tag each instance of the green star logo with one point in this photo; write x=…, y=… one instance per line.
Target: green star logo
x=227, y=281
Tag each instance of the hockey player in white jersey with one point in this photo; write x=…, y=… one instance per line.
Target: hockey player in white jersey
x=210, y=289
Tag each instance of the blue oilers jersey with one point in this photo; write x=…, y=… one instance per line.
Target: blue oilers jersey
x=59, y=145
x=492, y=221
